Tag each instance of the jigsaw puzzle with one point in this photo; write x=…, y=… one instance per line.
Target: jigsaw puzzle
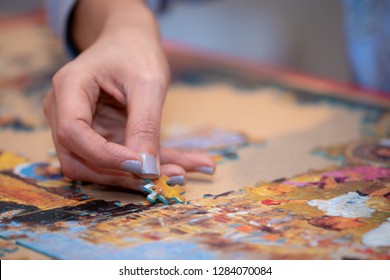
x=262, y=128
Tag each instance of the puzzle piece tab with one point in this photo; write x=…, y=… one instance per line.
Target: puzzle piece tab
x=159, y=190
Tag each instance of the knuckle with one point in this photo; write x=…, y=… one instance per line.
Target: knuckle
x=100, y=158
x=63, y=133
x=64, y=75
x=59, y=76
x=158, y=81
x=146, y=130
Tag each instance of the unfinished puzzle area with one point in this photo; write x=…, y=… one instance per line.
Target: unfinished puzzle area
x=302, y=168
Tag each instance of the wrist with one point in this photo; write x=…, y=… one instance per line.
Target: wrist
x=93, y=19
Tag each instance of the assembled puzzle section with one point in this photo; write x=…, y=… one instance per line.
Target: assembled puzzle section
x=337, y=213
x=261, y=130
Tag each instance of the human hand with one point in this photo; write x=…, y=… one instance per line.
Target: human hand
x=105, y=110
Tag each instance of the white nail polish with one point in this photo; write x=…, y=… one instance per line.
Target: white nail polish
x=205, y=170
x=150, y=168
x=133, y=166
x=176, y=180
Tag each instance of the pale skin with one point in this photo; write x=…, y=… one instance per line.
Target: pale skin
x=105, y=106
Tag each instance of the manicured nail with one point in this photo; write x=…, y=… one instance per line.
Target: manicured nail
x=205, y=169
x=133, y=166
x=176, y=180
x=150, y=168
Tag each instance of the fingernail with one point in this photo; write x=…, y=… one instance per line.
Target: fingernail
x=206, y=170
x=176, y=180
x=133, y=166
x=150, y=168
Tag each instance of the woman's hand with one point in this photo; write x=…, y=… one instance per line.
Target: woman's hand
x=105, y=106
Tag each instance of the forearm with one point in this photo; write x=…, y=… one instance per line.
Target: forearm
x=94, y=18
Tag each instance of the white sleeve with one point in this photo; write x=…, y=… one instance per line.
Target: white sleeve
x=58, y=15
x=59, y=12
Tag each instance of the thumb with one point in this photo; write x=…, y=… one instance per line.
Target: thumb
x=143, y=130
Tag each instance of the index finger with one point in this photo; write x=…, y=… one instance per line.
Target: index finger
x=75, y=105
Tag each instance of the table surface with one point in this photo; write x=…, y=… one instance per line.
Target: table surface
x=293, y=153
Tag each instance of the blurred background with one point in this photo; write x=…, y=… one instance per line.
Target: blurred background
x=302, y=35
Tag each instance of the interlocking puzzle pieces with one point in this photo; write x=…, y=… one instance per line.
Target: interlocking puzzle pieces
x=160, y=190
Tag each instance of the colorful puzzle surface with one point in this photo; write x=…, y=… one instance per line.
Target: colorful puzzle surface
x=303, y=171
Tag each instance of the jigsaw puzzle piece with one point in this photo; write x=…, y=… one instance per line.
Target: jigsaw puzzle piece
x=159, y=190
